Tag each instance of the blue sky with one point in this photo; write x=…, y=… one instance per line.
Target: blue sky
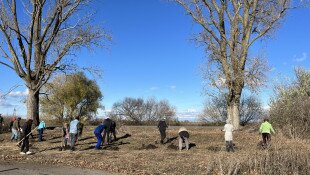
x=152, y=55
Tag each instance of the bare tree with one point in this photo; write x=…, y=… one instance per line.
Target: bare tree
x=130, y=108
x=229, y=29
x=216, y=110
x=290, y=107
x=35, y=42
x=139, y=110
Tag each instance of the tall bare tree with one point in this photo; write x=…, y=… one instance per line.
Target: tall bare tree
x=37, y=34
x=230, y=27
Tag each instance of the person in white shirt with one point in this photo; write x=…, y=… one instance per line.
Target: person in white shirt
x=228, y=129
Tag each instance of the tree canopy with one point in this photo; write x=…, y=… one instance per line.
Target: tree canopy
x=69, y=96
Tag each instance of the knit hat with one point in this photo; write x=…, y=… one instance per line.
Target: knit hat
x=182, y=129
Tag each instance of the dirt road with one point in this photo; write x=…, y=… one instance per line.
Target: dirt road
x=29, y=169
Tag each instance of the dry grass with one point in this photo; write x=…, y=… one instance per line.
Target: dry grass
x=140, y=153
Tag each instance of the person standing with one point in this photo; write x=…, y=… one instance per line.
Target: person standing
x=11, y=123
x=41, y=128
x=73, y=132
x=183, y=138
x=16, y=129
x=113, y=129
x=162, y=126
x=98, y=131
x=65, y=135
x=1, y=123
x=228, y=129
x=106, y=133
x=26, y=132
x=265, y=129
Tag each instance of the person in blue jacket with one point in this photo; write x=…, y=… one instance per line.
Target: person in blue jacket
x=41, y=128
x=97, y=133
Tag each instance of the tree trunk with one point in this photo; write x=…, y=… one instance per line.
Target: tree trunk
x=233, y=113
x=33, y=106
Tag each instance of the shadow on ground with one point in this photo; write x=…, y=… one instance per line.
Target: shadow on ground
x=175, y=147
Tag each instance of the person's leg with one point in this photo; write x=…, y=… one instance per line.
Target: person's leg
x=64, y=142
x=18, y=135
x=39, y=135
x=42, y=130
x=99, y=140
x=14, y=134
x=72, y=141
x=231, y=146
x=26, y=144
x=180, y=143
x=227, y=145
x=164, y=135
x=23, y=146
x=264, y=140
x=104, y=136
x=268, y=138
x=114, y=135
x=108, y=136
x=186, y=143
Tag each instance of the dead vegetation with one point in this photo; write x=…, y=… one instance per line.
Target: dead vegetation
x=137, y=152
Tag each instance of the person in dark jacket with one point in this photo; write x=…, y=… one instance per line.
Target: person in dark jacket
x=162, y=126
x=11, y=123
x=106, y=134
x=26, y=130
x=183, y=138
x=1, y=123
x=99, y=129
x=113, y=129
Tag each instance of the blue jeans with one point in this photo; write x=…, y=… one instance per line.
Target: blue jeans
x=14, y=134
x=40, y=131
x=99, y=140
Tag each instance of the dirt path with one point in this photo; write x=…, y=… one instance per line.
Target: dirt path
x=30, y=169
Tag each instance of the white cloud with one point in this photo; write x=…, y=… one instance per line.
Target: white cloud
x=191, y=110
x=172, y=87
x=302, y=58
x=153, y=88
x=190, y=114
x=266, y=107
x=5, y=104
x=19, y=93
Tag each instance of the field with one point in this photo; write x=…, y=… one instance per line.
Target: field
x=137, y=152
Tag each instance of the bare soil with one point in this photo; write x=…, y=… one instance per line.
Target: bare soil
x=137, y=151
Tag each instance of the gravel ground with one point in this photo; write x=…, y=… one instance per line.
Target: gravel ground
x=36, y=169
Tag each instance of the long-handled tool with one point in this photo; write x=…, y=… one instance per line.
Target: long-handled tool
x=26, y=136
